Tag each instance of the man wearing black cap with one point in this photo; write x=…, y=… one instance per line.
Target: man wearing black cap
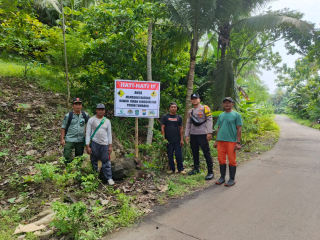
x=99, y=142
x=199, y=128
x=171, y=128
x=73, y=130
x=228, y=140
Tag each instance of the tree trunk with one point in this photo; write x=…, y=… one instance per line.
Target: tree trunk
x=149, y=78
x=224, y=39
x=193, y=54
x=189, y=91
x=65, y=53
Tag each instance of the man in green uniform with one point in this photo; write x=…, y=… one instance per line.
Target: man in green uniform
x=73, y=131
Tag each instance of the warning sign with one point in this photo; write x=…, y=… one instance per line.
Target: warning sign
x=137, y=99
x=154, y=94
x=121, y=93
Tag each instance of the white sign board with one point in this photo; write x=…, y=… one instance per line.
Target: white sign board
x=136, y=99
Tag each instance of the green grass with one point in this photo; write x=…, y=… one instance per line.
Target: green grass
x=47, y=78
x=305, y=122
x=180, y=185
x=9, y=220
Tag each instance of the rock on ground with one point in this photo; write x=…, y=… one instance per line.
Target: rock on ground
x=123, y=168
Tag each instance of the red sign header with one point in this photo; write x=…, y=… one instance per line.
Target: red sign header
x=137, y=85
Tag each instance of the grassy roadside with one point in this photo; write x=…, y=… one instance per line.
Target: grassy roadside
x=305, y=122
x=31, y=183
x=125, y=205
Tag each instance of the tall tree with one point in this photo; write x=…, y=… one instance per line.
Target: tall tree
x=149, y=78
x=223, y=78
x=196, y=18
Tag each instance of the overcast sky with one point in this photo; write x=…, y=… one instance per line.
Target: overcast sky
x=311, y=10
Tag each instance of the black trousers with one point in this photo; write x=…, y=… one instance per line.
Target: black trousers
x=197, y=141
x=176, y=148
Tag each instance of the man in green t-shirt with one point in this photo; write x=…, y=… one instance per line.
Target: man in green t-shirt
x=228, y=140
x=73, y=131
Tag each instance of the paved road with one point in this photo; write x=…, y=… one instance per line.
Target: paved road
x=277, y=196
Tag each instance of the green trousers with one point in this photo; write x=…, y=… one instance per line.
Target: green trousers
x=68, y=150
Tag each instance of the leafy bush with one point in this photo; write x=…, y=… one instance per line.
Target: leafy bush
x=69, y=218
x=157, y=150
x=256, y=120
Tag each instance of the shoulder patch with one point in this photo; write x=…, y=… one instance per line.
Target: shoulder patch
x=207, y=111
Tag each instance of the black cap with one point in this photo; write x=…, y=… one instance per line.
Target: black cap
x=76, y=100
x=173, y=103
x=195, y=95
x=228, y=99
x=100, y=105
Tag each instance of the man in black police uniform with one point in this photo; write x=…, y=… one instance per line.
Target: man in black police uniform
x=171, y=128
x=199, y=128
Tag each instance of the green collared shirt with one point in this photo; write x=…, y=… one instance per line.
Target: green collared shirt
x=76, y=131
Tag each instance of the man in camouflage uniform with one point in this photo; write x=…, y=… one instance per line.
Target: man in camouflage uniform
x=199, y=128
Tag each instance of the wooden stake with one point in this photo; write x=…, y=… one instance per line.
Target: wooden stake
x=136, y=142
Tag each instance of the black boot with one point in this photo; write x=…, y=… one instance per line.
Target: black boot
x=232, y=173
x=222, y=179
x=195, y=170
x=210, y=174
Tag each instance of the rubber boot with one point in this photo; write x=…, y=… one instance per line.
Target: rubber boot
x=210, y=174
x=194, y=171
x=232, y=173
x=222, y=179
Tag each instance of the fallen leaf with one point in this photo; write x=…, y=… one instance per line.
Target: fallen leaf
x=104, y=202
x=28, y=126
x=11, y=200
x=20, y=199
x=22, y=210
x=28, y=228
x=147, y=210
x=164, y=189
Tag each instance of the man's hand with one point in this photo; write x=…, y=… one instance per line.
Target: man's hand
x=110, y=150
x=181, y=143
x=209, y=136
x=187, y=140
x=215, y=145
x=238, y=146
x=89, y=151
x=63, y=142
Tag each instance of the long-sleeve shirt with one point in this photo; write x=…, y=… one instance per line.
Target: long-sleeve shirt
x=103, y=136
x=202, y=113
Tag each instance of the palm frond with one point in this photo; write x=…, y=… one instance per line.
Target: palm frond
x=55, y=4
x=192, y=14
x=212, y=38
x=271, y=21
x=223, y=84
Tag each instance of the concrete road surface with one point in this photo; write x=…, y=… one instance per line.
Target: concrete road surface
x=277, y=196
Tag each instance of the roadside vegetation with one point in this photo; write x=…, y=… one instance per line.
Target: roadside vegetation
x=107, y=40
